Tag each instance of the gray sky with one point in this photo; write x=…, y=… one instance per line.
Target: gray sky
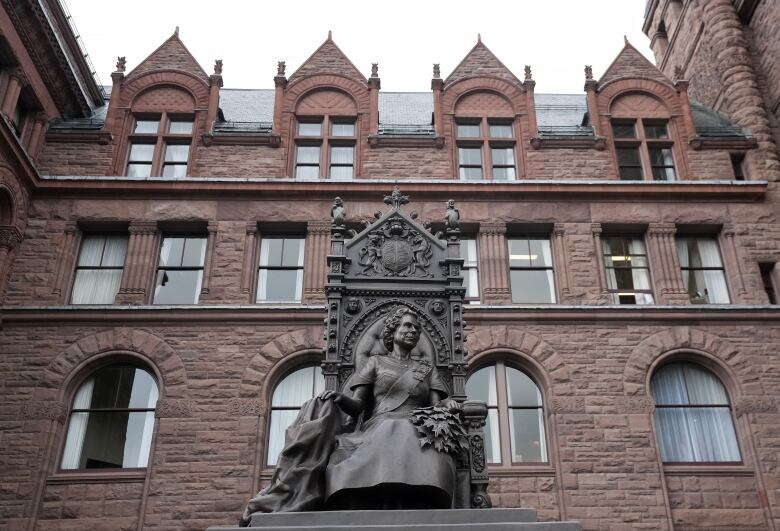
x=556, y=37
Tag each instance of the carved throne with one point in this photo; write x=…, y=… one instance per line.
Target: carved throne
x=395, y=261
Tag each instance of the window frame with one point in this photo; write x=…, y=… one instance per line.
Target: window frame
x=499, y=366
x=645, y=144
x=326, y=140
x=722, y=267
x=627, y=236
x=260, y=266
x=551, y=267
x=691, y=359
x=128, y=472
x=161, y=140
x=486, y=143
x=471, y=266
x=77, y=267
x=201, y=268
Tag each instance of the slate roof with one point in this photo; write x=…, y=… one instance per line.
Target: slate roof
x=411, y=113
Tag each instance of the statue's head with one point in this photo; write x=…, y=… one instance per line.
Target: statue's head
x=403, y=327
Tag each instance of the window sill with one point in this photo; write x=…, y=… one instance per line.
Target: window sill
x=127, y=476
x=520, y=470
x=708, y=469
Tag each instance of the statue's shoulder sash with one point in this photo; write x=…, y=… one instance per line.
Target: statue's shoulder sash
x=406, y=382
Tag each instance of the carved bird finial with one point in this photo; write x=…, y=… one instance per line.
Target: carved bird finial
x=528, y=75
x=452, y=217
x=121, y=63
x=218, y=67
x=436, y=71
x=588, y=72
x=338, y=213
x=374, y=69
x=280, y=67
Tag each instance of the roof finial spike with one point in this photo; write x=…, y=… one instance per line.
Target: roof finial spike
x=436, y=71
x=625, y=39
x=176, y=31
x=330, y=35
x=527, y=72
x=479, y=37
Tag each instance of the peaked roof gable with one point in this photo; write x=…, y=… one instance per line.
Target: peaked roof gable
x=172, y=53
x=480, y=61
x=328, y=59
x=631, y=63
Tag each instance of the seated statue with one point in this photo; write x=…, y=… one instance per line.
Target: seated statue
x=363, y=451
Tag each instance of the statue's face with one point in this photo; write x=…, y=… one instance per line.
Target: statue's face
x=408, y=332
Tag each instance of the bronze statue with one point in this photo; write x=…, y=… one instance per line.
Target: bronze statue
x=452, y=218
x=365, y=453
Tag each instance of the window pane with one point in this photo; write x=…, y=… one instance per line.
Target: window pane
x=701, y=434
x=504, y=174
x=308, y=155
x=180, y=127
x=519, y=253
x=141, y=152
x=482, y=386
x=471, y=174
x=342, y=154
x=171, y=251
x=271, y=251
x=500, y=130
x=174, y=170
x=655, y=130
x=146, y=127
x=628, y=156
x=307, y=172
x=177, y=152
x=111, y=439
x=177, y=287
x=295, y=388
x=338, y=129
x=96, y=286
x=310, y=129
x=341, y=172
x=661, y=157
x=194, y=252
x=282, y=285
x=292, y=252
x=91, y=252
x=526, y=428
x=664, y=174
x=540, y=252
x=492, y=437
x=280, y=421
x=470, y=156
x=628, y=173
x=532, y=286
x=121, y=386
x=468, y=130
x=623, y=130
x=520, y=389
x=503, y=156
x=468, y=251
x=139, y=170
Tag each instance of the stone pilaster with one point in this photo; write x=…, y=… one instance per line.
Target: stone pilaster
x=315, y=258
x=140, y=263
x=596, y=230
x=66, y=260
x=16, y=81
x=494, y=262
x=665, y=272
x=250, y=260
x=732, y=265
x=211, y=242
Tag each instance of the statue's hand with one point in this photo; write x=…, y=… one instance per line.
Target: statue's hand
x=327, y=395
x=452, y=405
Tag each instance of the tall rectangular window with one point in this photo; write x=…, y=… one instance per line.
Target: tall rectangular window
x=531, y=270
x=468, y=251
x=486, y=149
x=159, y=145
x=325, y=147
x=643, y=148
x=470, y=163
x=307, y=162
x=627, y=270
x=99, y=269
x=280, y=272
x=702, y=270
x=180, y=270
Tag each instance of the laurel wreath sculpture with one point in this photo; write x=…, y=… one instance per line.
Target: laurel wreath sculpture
x=440, y=428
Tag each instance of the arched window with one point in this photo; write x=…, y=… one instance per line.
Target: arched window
x=111, y=420
x=289, y=395
x=515, y=430
x=693, y=416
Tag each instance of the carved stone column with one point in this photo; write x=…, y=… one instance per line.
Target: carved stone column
x=66, y=260
x=36, y=136
x=494, y=273
x=601, y=274
x=665, y=271
x=315, y=257
x=140, y=263
x=10, y=238
x=560, y=258
x=732, y=264
x=250, y=259
x=16, y=81
x=211, y=242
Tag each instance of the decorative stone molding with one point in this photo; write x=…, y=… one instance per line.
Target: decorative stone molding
x=567, y=404
x=754, y=404
x=10, y=237
x=637, y=404
x=173, y=408
x=45, y=409
x=245, y=407
x=546, y=484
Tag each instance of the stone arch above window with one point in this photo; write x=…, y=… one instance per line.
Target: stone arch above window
x=160, y=98
x=635, y=104
x=326, y=101
x=484, y=103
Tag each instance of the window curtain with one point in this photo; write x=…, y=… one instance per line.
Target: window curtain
x=714, y=283
x=291, y=392
x=77, y=429
x=639, y=272
x=99, y=286
x=140, y=426
x=693, y=434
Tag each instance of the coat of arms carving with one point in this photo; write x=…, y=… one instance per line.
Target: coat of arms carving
x=397, y=250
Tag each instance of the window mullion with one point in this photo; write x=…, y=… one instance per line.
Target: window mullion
x=503, y=415
x=644, y=152
x=325, y=149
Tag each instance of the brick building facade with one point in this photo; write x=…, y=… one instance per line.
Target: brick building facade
x=622, y=249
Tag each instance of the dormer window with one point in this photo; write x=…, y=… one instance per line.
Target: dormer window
x=159, y=146
x=325, y=148
x=644, y=150
x=486, y=150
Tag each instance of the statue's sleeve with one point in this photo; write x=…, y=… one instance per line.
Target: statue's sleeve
x=366, y=375
x=437, y=384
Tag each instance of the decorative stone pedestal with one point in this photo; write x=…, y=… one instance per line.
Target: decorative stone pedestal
x=417, y=520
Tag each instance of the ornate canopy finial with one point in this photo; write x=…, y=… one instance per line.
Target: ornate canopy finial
x=678, y=72
x=396, y=199
x=528, y=75
x=218, y=67
x=436, y=71
x=374, y=69
x=280, y=67
x=588, y=72
x=121, y=64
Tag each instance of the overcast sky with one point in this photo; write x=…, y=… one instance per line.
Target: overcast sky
x=556, y=37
